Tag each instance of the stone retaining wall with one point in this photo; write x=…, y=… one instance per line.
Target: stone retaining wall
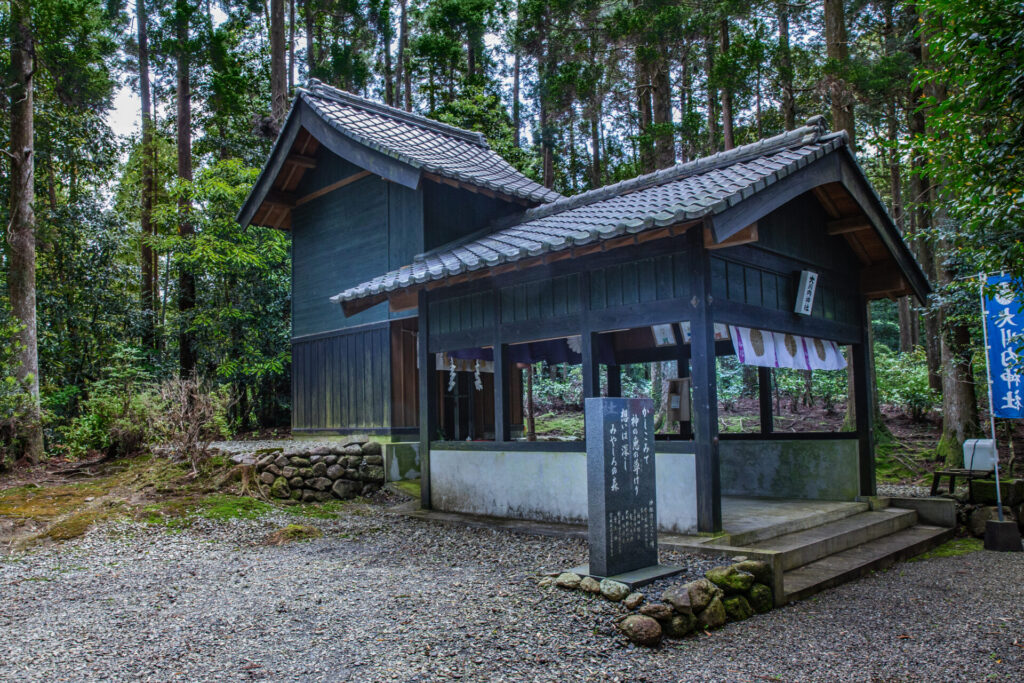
x=348, y=469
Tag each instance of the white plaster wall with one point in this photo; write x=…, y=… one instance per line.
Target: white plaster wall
x=548, y=486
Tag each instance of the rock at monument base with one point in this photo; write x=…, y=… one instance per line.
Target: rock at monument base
x=761, y=570
x=633, y=600
x=335, y=471
x=267, y=478
x=296, y=482
x=714, y=615
x=737, y=608
x=296, y=461
x=282, y=461
x=568, y=580
x=374, y=460
x=760, y=598
x=371, y=448
x=657, y=610
x=320, y=484
x=320, y=470
x=296, y=495
x=641, y=630
x=323, y=496
x=280, y=489
x=344, y=489
x=702, y=592
x=980, y=516
x=308, y=496
x=679, y=598
x=289, y=472
x=613, y=590
x=680, y=625
x=590, y=585
x=730, y=579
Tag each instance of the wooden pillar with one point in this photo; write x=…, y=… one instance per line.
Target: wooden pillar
x=501, y=391
x=764, y=399
x=614, y=381
x=502, y=378
x=682, y=372
x=591, y=368
x=428, y=399
x=864, y=414
x=705, y=389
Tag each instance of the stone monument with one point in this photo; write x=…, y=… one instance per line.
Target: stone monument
x=621, y=494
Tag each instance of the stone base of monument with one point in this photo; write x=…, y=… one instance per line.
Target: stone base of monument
x=1002, y=536
x=635, y=578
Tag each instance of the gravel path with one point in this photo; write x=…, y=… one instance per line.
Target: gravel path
x=382, y=597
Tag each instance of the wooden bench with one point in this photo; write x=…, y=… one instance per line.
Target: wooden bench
x=969, y=475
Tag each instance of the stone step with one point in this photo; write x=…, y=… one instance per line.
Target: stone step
x=757, y=524
x=859, y=560
x=803, y=547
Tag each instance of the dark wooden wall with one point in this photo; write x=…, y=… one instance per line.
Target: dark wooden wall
x=341, y=381
x=753, y=285
x=405, y=397
x=450, y=213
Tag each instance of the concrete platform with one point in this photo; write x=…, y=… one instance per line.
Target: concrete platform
x=749, y=520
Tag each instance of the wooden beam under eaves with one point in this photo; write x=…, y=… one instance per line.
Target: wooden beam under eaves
x=301, y=160
x=278, y=198
x=744, y=236
x=882, y=280
x=848, y=225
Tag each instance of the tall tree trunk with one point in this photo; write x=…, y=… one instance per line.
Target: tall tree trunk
x=788, y=103
x=712, y=94
x=186, y=279
x=291, y=47
x=645, y=113
x=837, y=50
x=403, y=44
x=686, y=142
x=595, y=143
x=310, y=19
x=921, y=223
x=727, y=136
x=148, y=263
x=278, y=64
x=664, y=146
x=517, y=113
x=385, y=39
x=21, y=231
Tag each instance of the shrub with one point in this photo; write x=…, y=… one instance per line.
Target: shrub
x=191, y=416
x=903, y=381
x=119, y=411
x=15, y=398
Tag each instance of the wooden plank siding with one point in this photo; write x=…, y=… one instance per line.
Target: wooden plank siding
x=341, y=382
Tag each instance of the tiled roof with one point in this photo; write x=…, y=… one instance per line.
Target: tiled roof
x=422, y=143
x=681, y=193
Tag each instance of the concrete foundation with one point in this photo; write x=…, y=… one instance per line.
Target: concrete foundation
x=549, y=486
x=810, y=470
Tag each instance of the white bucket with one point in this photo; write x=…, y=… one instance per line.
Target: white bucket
x=980, y=454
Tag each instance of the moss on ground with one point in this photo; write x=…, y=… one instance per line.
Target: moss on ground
x=410, y=487
x=953, y=548
x=563, y=424
x=293, y=533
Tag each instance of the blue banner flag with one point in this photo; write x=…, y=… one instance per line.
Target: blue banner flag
x=1004, y=326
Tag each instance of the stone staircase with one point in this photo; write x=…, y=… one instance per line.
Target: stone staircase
x=840, y=550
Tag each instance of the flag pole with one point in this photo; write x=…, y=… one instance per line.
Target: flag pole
x=991, y=405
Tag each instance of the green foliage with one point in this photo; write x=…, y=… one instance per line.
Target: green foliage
x=119, y=413
x=975, y=142
x=903, y=381
x=15, y=399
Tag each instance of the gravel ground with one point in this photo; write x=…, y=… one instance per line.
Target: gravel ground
x=910, y=491
x=383, y=597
